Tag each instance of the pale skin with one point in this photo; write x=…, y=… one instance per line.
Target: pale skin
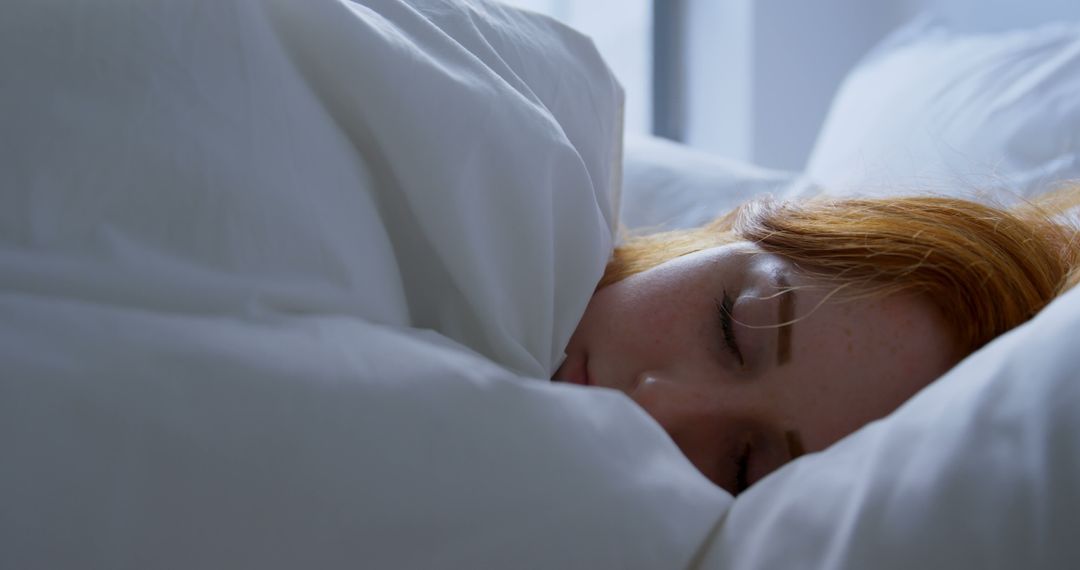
x=792, y=371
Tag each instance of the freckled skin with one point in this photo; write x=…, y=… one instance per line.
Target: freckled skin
x=656, y=337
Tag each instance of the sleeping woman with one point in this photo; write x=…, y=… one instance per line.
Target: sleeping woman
x=780, y=328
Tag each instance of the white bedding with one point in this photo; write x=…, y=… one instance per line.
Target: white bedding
x=667, y=185
x=136, y=439
x=988, y=116
x=281, y=282
x=244, y=246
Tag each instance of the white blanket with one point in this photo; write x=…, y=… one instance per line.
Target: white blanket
x=244, y=246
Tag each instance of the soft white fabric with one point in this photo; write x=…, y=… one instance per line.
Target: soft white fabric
x=144, y=439
x=224, y=229
x=980, y=470
x=366, y=159
x=667, y=185
x=935, y=110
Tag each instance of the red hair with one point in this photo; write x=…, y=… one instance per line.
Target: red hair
x=987, y=269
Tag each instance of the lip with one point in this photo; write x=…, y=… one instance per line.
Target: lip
x=578, y=374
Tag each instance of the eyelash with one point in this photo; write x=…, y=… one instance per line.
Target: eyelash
x=727, y=326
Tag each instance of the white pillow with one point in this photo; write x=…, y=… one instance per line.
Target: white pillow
x=667, y=185
x=979, y=470
x=935, y=110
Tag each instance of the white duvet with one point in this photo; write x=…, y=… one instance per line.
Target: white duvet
x=229, y=233
x=281, y=283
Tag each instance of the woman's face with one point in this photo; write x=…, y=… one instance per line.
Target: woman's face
x=747, y=364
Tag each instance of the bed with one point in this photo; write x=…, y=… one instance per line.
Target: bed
x=283, y=284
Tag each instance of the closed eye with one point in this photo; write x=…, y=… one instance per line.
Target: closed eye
x=727, y=326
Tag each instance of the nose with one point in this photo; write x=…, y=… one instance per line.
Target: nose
x=692, y=413
x=670, y=401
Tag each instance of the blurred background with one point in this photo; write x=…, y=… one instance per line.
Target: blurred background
x=753, y=79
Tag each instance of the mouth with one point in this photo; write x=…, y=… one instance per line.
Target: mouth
x=575, y=373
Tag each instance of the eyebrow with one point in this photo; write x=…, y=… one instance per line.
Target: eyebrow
x=785, y=313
